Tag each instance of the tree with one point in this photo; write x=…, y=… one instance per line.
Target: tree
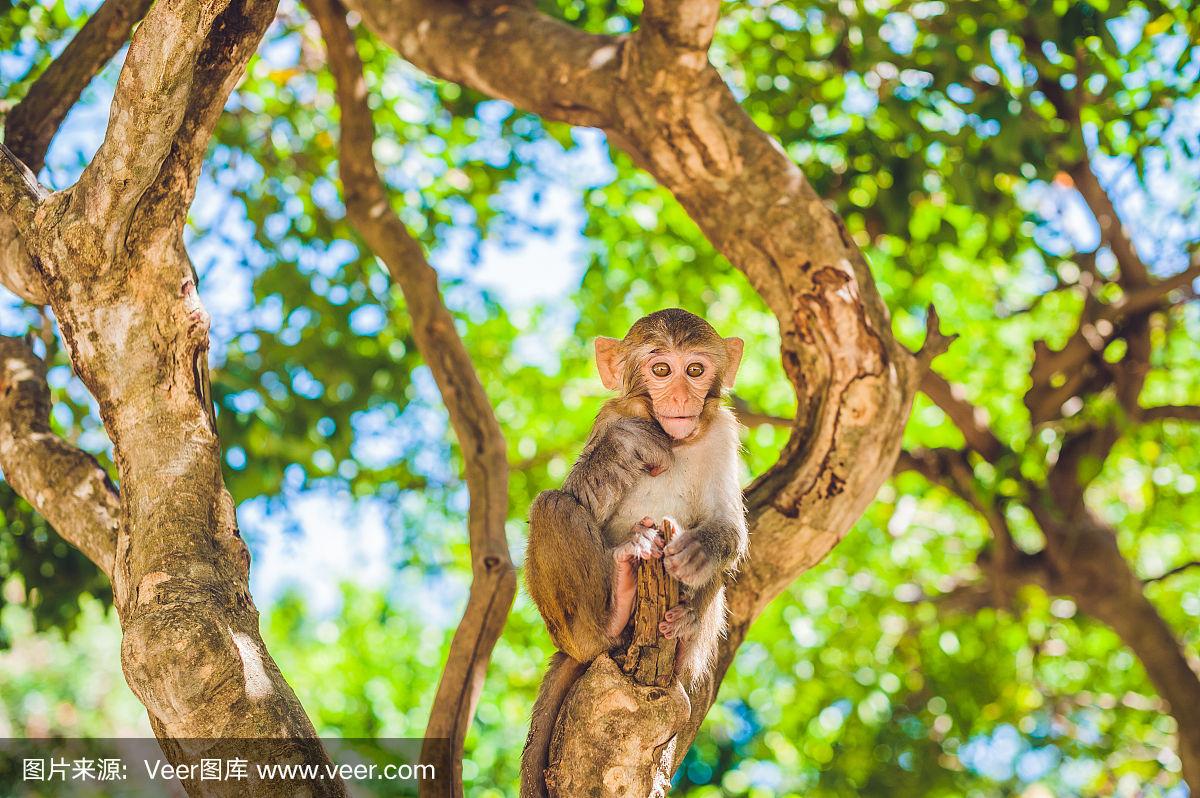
x=107, y=256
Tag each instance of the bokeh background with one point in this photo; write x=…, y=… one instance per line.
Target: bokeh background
x=918, y=121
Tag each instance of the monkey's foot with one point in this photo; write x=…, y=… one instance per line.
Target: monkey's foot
x=644, y=544
x=679, y=622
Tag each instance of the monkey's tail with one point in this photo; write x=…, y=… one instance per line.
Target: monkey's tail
x=560, y=676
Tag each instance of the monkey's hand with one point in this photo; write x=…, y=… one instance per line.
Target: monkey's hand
x=647, y=448
x=686, y=558
x=644, y=544
x=680, y=622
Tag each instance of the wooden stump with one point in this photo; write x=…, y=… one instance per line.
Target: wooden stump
x=650, y=658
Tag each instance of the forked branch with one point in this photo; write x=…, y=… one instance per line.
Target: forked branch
x=148, y=105
x=33, y=122
x=64, y=484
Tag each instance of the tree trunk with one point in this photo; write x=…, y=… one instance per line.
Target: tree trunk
x=108, y=257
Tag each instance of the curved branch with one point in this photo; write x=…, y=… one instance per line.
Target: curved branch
x=64, y=484
x=368, y=208
x=33, y=122
x=854, y=382
x=1181, y=412
x=510, y=51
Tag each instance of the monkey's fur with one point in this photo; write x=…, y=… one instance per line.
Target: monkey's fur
x=631, y=471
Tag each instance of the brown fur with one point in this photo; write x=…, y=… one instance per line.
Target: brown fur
x=574, y=532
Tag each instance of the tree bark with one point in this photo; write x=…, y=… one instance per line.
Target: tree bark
x=109, y=256
x=650, y=658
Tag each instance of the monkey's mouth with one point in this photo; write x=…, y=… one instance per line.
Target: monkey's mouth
x=679, y=427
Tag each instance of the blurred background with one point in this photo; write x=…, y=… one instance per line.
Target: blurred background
x=922, y=123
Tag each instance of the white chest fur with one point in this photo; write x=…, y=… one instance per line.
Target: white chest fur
x=702, y=481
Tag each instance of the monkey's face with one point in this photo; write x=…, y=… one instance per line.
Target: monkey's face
x=678, y=383
x=677, y=361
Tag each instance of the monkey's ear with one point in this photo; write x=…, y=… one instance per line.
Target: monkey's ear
x=608, y=362
x=733, y=358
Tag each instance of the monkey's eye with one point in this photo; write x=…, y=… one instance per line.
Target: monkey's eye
x=695, y=369
x=660, y=370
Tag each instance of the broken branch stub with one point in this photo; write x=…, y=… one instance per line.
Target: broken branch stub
x=650, y=658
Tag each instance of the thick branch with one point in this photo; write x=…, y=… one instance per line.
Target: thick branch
x=230, y=43
x=681, y=29
x=137, y=335
x=512, y=52
x=1089, y=567
x=493, y=584
x=64, y=484
x=1112, y=232
x=33, y=122
x=148, y=105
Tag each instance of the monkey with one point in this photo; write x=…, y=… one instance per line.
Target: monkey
x=664, y=447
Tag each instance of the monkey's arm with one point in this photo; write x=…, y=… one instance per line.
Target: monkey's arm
x=618, y=453
x=569, y=568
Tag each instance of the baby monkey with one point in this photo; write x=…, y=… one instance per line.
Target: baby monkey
x=665, y=447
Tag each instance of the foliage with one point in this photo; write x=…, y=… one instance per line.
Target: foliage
x=931, y=127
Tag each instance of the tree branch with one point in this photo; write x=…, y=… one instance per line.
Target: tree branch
x=679, y=28
x=1077, y=364
x=64, y=484
x=936, y=342
x=222, y=60
x=1173, y=572
x=1181, y=412
x=512, y=52
x=972, y=421
x=1088, y=566
x=854, y=382
x=493, y=585
x=149, y=103
x=33, y=122
x=1112, y=232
